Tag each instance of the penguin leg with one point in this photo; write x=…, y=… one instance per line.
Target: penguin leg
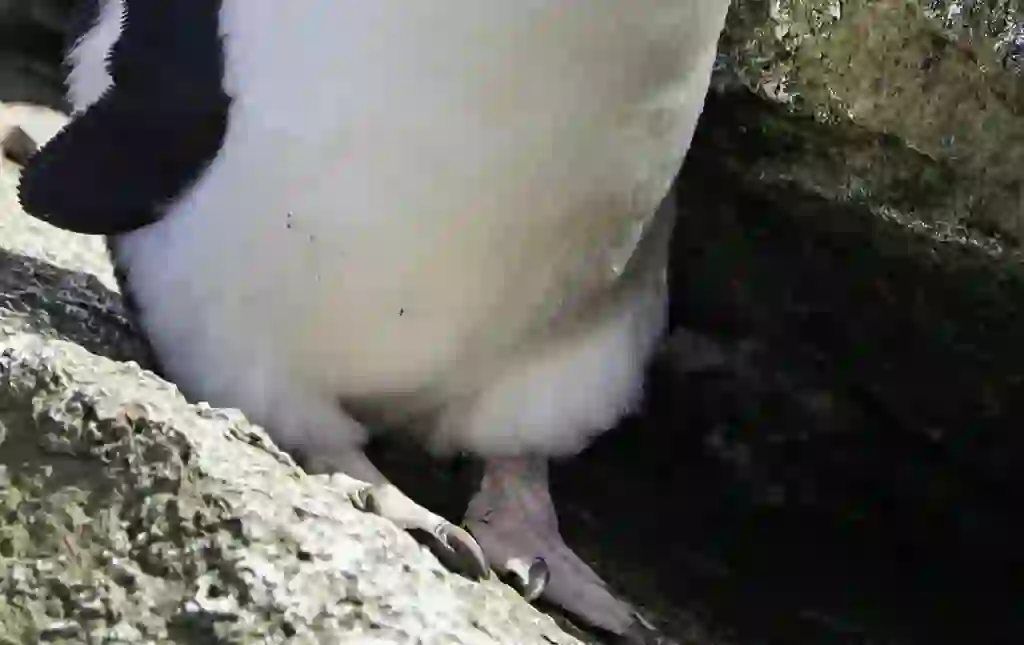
x=513, y=517
x=455, y=547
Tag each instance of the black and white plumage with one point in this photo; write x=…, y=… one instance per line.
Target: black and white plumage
x=435, y=216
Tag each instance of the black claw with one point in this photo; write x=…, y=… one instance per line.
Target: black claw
x=454, y=547
x=457, y=550
x=537, y=579
x=365, y=501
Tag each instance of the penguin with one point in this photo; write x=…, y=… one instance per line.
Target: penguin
x=447, y=219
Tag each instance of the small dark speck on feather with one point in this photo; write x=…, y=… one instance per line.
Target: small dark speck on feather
x=401, y=312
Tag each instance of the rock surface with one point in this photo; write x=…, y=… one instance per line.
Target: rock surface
x=941, y=80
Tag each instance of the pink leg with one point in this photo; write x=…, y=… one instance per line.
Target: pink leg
x=513, y=518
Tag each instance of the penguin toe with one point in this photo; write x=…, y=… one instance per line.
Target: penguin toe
x=454, y=547
x=458, y=551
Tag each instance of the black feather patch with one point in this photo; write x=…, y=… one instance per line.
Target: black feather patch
x=118, y=164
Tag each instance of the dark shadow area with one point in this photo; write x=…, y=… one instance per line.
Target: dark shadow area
x=860, y=480
x=68, y=305
x=32, y=40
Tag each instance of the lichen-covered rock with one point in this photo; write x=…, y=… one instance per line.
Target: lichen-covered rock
x=942, y=78
x=128, y=515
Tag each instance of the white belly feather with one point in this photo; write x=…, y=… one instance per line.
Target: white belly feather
x=412, y=195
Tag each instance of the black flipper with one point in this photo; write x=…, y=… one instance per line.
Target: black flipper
x=117, y=165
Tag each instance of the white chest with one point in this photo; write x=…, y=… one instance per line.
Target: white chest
x=406, y=183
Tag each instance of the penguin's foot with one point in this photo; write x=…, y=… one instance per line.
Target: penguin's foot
x=513, y=518
x=456, y=548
